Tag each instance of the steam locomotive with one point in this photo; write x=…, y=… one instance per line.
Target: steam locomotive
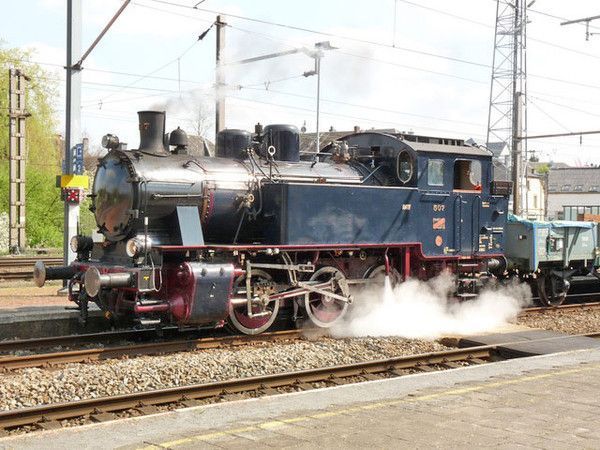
x=262, y=230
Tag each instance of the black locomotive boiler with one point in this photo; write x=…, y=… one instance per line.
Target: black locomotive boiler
x=262, y=231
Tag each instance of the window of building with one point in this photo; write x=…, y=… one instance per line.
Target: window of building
x=593, y=188
x=578, y=188
x=535, y=201
x=467, y=175
x=565, y=188
x=435, y=172
x=553, y=188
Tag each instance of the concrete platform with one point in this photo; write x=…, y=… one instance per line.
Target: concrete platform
x=549, y=401
x=39, y=321
x=531, y=342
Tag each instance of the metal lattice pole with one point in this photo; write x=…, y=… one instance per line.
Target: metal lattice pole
x=17, y=155
x=507, y=106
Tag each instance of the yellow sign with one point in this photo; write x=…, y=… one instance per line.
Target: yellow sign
x=74, y=181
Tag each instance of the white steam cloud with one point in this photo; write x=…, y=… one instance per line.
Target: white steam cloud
x=425, y=310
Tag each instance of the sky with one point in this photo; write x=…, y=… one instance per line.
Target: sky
x=418, y=65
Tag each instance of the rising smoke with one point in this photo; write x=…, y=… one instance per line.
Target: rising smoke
x=424, y=310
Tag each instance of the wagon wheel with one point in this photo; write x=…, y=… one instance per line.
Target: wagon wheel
x=238, y=315
x=552, y=289
x=323, y=310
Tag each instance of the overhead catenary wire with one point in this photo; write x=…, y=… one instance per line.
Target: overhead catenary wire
x=359, y=56
x=128, y=99
x=356, y=105
x=567, y=107
x=347, y=116
x=487, y=25
x=396, y=124
x=325, y=33
x=434, y=72
x=111, y=72
x=381, y=60
x=560, y=124
x=365, y=57
x=366, y=41
x=181, y=55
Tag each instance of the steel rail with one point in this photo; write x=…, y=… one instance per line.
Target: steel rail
x=78, y=339
x=61, y=411
x=150, y=348
x=18, y=275
x=21, y=268
x=18, y=261
x=570, y=306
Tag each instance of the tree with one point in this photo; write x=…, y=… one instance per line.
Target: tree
x=41, y=91
x=200, y=118
x=543, y=169
x=44, y=208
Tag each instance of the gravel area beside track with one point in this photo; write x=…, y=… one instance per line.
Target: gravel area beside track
x=30, y=387
x=572, y=322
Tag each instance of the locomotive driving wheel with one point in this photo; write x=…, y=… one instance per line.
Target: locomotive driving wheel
x=264, y=313
x=552, y=289
x=324, y=310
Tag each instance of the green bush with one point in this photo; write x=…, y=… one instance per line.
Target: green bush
x=44, y=211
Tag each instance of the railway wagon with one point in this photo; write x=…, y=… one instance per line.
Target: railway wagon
x=554, y=252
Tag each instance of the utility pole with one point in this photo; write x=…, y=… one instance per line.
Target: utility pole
x=17, y=155
x=219, y=77
x=318, y=54
x=507, y=114
x=318, y=70
x=73, y=181
x=72, y=117
x=517, y=155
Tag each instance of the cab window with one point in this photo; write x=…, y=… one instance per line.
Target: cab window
x=435, y=172
x=467, y=175
x=405, y=167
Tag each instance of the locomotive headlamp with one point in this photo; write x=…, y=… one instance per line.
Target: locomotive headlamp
x=137, y=245
x=81, y=243
x=132, y=248
x=110, y=141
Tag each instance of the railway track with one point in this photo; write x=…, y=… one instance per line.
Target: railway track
x=21, y=267
x=105, y=337
x=567, y=307
x=150, y=348
x=99, y=409
x=176, y=342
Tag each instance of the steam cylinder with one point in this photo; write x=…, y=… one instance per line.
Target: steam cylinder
x=285, y=139
x=233, y=143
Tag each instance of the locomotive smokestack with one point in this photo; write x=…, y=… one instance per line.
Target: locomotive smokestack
x=152, y=130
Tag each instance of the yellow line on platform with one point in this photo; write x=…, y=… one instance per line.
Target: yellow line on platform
x=279, y=423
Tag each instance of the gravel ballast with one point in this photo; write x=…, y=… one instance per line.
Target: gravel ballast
x=31, y=387
x=569, y=321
